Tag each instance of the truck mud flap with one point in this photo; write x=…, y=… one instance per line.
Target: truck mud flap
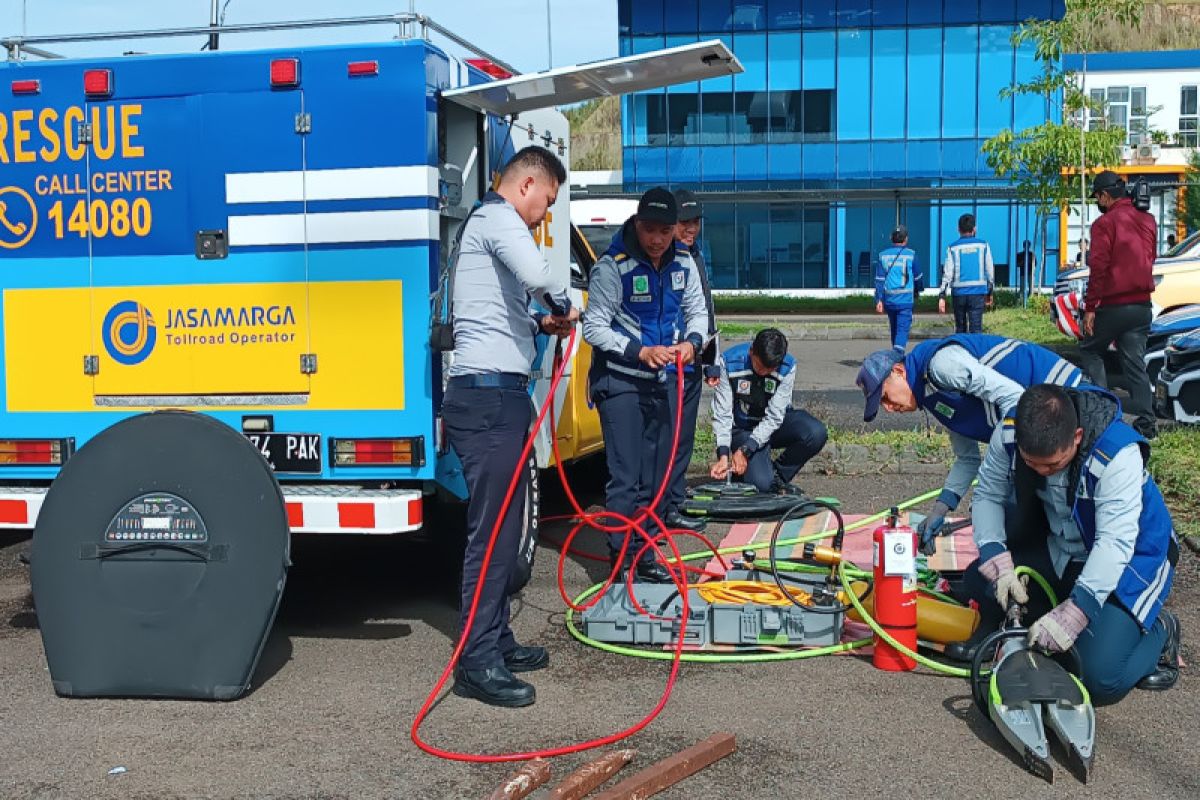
x=159, y=561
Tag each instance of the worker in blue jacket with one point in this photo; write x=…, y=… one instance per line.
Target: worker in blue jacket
x=898, y=282
x=1091, y=520
x=645, y=307
x=967, y=382
x=969, y=275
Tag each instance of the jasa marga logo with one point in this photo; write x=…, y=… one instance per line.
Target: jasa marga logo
x=129, y=332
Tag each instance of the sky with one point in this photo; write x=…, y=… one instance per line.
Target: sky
x=512, y=30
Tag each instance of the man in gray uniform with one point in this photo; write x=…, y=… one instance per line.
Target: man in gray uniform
x=487, y=410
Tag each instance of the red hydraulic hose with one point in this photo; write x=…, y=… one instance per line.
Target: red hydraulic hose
x=678, y=576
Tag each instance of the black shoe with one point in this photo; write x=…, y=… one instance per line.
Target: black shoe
x=677, y=520
x=652, y=572
x=496, y=687
x=963, y=652
x=1168, y=663
x=787, y=489
x=527, y=659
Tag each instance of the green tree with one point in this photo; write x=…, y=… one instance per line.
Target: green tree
x=1049, y=163
x=1190, y=207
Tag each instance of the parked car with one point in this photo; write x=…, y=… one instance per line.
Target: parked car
x=1177, y=388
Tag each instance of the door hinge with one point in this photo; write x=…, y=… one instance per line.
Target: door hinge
x=303, y=123
x=308, y=363
x=83, y=132
x=91, y=365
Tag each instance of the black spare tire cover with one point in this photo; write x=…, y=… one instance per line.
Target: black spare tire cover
x=159, y=560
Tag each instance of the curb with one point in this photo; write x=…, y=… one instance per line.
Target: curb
x=824, y=333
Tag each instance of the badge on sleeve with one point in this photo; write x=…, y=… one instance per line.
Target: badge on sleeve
x=678, y=279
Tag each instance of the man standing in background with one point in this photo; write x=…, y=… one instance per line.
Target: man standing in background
x=898, y=283
x=970, y=276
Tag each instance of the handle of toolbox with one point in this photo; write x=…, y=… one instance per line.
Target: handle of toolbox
x=204, y=552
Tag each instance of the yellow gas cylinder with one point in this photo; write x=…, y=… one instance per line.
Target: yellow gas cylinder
x=937, y=620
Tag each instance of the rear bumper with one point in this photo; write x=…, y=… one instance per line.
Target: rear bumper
x=310, y=509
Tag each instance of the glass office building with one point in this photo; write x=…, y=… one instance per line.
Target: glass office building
x=850, y=116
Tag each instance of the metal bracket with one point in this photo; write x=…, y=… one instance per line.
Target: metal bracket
x=303, y=123
x=308, y=363
x=211, y=245
x=91, y=365
x=83, y=133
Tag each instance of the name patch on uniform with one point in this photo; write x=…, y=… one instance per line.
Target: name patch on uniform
x=641, y=285
x=743, y=387
x=640, y=298
x=769, y=385
x=945, y=410
x=678, y=280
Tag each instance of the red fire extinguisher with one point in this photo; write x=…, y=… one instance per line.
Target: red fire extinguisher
x=895, y=592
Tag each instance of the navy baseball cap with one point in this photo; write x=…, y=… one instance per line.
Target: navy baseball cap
x=689, y=205
x=875, y=369
x=658, y=205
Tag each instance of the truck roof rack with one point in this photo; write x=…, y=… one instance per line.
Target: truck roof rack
x=409, y=23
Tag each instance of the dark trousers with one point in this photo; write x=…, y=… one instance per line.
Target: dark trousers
x=1113, y=649
x=692, y=384
x=899, y=323
x=968, y=313
x=800, y=435
x=1128, y=326
x=637, y=426
x=487, y=429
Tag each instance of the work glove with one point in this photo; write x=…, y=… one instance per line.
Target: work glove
x=1056, y=631
x=1008, y=587
x=930, y=527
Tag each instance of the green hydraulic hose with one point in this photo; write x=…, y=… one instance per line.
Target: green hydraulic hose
x=1040, y=581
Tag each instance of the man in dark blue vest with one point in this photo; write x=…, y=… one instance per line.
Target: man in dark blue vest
x=967, y=382
x=1090, y=520
x=752, y=413
x=645, y=307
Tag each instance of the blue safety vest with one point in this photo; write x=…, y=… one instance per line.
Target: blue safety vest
x=651, y=308
x=969, y=257
x=752, y=392
x=899, y=266
x=1146, y=581
x=1023, y=363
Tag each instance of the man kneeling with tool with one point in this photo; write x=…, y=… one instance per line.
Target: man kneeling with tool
x=752, y=413
x=645, y=307
x=967, y=382
x=1092, y=522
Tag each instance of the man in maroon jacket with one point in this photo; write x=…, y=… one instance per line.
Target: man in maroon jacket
x=1116, y=306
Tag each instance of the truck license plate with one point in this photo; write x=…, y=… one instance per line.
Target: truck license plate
x=289, y=452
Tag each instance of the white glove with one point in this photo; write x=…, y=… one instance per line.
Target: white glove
x=1005, y=583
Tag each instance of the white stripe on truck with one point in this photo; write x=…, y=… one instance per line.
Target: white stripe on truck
x=368, y=183
x=333, y=227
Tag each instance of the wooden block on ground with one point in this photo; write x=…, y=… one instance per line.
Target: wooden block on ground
x=522, y=782
x=591, y=775
x=672, y=770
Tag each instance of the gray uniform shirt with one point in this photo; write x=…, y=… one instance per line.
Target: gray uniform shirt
x=777, y=406
x=1118, y=507
x=499, y=267
x=955, y=369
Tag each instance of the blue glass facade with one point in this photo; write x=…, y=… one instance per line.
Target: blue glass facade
x=845, y=110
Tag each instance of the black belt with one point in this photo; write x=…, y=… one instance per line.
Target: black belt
x=491, y=380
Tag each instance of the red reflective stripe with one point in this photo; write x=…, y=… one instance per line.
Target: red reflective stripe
x=416, y=513
x=356, y=515
x=14, y=512
x=295, y=512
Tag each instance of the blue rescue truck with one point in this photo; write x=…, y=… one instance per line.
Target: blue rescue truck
x=257, y=236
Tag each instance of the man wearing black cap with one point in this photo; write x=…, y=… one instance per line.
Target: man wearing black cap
x=687, y=231
x=898, y=281
x=1116, y=305
x=645, y=307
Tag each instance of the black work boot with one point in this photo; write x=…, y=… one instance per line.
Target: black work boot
x=652, y=572
x=527, y=659
x=1167, y=673
x=496, y=686
x=676, y=520
x=989, y=623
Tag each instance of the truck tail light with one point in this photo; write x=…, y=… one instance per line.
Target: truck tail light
x=489, y=67
x=34, y=452
x=27, y=87
x=98, y=83
x=405, y=452
x=285, y=72
x=363, y=69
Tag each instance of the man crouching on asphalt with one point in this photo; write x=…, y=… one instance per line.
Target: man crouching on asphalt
x=752, y=413
x=645, y=306
x=1093, y=523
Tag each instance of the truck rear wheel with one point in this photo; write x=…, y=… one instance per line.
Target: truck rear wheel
x=523, y=569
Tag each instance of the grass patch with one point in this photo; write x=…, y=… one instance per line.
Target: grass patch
x=1175, y=463
x=851, y=304
x=1032, y=324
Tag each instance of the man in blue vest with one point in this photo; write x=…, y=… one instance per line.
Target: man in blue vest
x=969, y=275
x=1090, y=520
x=645, y=307
x=967, y=382
x=898, y=282
x=752, y=413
